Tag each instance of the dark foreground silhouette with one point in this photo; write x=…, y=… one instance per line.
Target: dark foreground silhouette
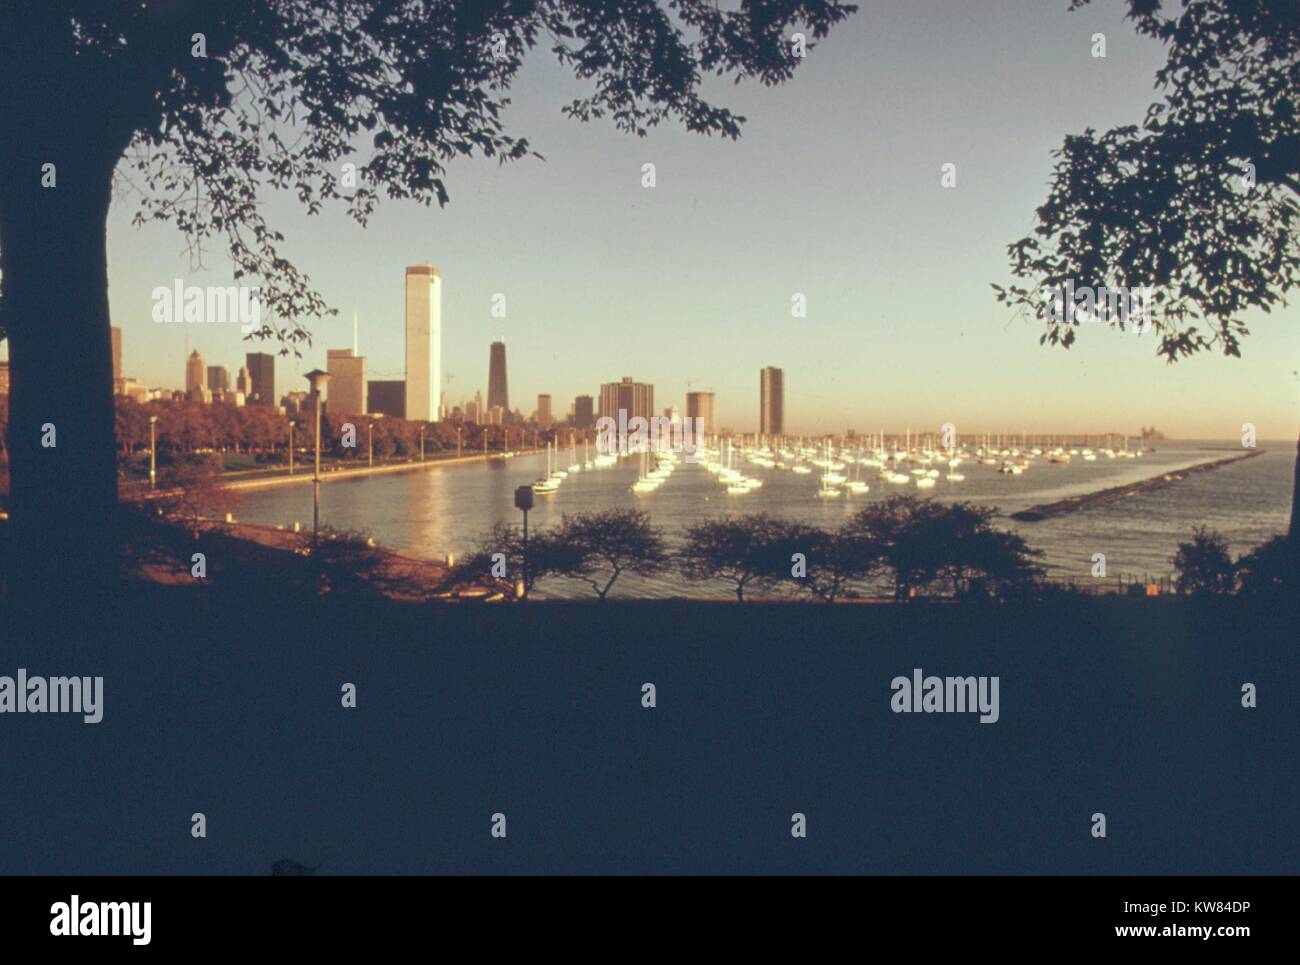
x=230, y=705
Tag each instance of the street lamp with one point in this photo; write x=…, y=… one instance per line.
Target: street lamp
x=292, y=423
x=524, y=501
x=153, y=463
x=421, y=443
x=316, y=379
x=370, y=436
x=458, y=432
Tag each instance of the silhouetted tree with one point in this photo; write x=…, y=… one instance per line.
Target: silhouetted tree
x=1002, y=563
x=1203, y=566
x=974, y=550
x=500, y=556
x=836, y=559
x=607, y=544
x=1201, y=201
x=740, y=550
x=909, y=534
x=193, y=493
x=218, y=102
x=1267, y=569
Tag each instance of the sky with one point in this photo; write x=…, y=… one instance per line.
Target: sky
x=833, y=192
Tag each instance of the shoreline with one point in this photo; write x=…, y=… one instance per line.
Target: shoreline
x=284, y=479
x=1076, y=504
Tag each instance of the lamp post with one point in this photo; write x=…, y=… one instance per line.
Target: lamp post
x=317, y=379
x=421, y=443
x=458, y=432
x=370, y=433
x=524, y=501
x=153, y=447
x=292, y=423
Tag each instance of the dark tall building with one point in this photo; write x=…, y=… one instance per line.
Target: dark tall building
x=218, y=378
x=261, y=369
x=584, y=412
x=387, y=397
x=498, y=393
x=771, y=414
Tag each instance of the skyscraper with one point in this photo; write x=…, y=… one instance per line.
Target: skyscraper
x=498, y=393
x=771, y=414
x=195, y=375
x=346, y=391
x=261, y=368
x=244, y=383
x=584, y=412
x=699, y=405
x=423, y=343
x=218, y=378
x=634, y=398
x=544, y=411
x=386, y=397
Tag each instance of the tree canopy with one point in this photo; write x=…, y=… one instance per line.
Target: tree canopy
x=219, y=102
x=1200, y=201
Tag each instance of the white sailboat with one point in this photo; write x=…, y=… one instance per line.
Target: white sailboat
x=645, y=482
x=547, y=484
x=828, y=490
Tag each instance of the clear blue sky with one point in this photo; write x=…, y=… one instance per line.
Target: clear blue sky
x=833, y=191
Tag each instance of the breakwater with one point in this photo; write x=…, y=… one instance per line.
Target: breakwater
x=1075, y=504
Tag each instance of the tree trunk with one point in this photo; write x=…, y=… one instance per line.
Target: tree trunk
x=63, y=466
x=1293, y=534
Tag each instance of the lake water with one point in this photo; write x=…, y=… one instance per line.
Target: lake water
x=444, y=509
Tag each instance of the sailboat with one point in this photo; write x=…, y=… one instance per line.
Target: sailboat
x=645, y=483
x=855, y=486
x=829, y=490
x=547, y=484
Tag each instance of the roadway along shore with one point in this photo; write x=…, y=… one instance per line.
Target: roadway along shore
x=1075, y=504
x=303, y=472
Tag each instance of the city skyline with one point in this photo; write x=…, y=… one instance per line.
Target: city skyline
x=637, y=398
x=898, y=322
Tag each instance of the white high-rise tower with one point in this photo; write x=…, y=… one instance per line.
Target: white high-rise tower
x=423, y=343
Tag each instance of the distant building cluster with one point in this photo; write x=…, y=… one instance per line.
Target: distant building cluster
x=419, y=395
